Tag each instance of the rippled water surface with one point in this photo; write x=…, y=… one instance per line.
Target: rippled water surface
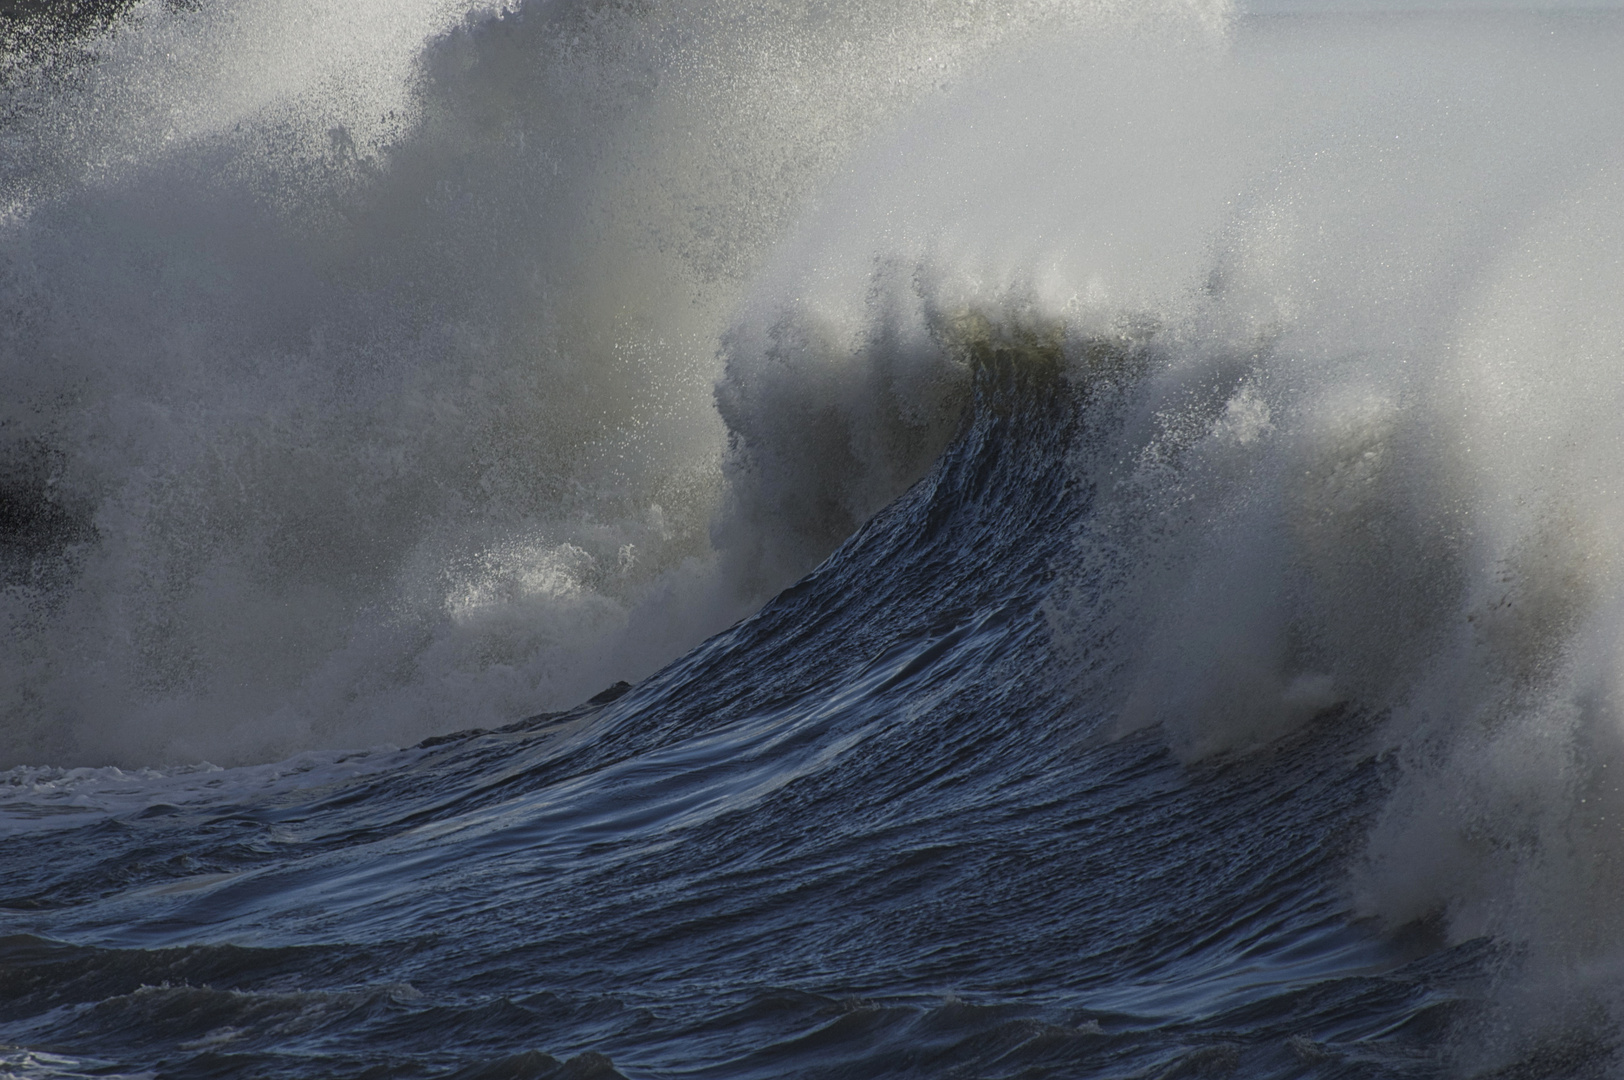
x=862, y=833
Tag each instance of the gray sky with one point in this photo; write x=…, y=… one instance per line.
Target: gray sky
x=1263, y=7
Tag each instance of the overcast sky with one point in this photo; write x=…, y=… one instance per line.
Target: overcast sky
x=1276, y=6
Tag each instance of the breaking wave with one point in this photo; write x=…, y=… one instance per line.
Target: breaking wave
x=381, y=372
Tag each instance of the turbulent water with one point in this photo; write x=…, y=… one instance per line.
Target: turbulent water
x=974, y=538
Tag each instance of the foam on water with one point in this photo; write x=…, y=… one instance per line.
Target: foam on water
x=467, y=361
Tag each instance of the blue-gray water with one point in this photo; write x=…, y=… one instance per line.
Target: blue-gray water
x=1098, y=524
x=852, y=836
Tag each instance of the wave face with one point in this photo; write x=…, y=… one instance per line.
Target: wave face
x=1111, y=515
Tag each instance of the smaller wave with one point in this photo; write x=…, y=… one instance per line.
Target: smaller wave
x=35, y=798
x=40, y=1065
x=224, y=1004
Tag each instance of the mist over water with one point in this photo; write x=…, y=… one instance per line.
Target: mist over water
x=393, y=369
x=362, y=362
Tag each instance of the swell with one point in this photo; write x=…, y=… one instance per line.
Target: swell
x=857, y=833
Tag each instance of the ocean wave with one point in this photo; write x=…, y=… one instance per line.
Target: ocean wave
x=1113, y=509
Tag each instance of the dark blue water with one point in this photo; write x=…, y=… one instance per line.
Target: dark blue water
x=864, y=833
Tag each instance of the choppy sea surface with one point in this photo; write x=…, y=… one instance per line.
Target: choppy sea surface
x=853, y=835
x=1004, y=539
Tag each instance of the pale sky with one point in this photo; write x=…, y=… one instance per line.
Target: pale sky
x=1270, y=7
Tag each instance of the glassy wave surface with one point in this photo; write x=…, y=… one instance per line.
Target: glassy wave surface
x=1099, y=525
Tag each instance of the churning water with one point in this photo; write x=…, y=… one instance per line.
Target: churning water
x=1100, y=523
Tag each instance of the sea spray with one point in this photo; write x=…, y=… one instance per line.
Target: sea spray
x=361, y=364
x=1366, y=467
x=1373, y=474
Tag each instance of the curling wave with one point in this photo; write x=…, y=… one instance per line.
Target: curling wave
x=1156, y=446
